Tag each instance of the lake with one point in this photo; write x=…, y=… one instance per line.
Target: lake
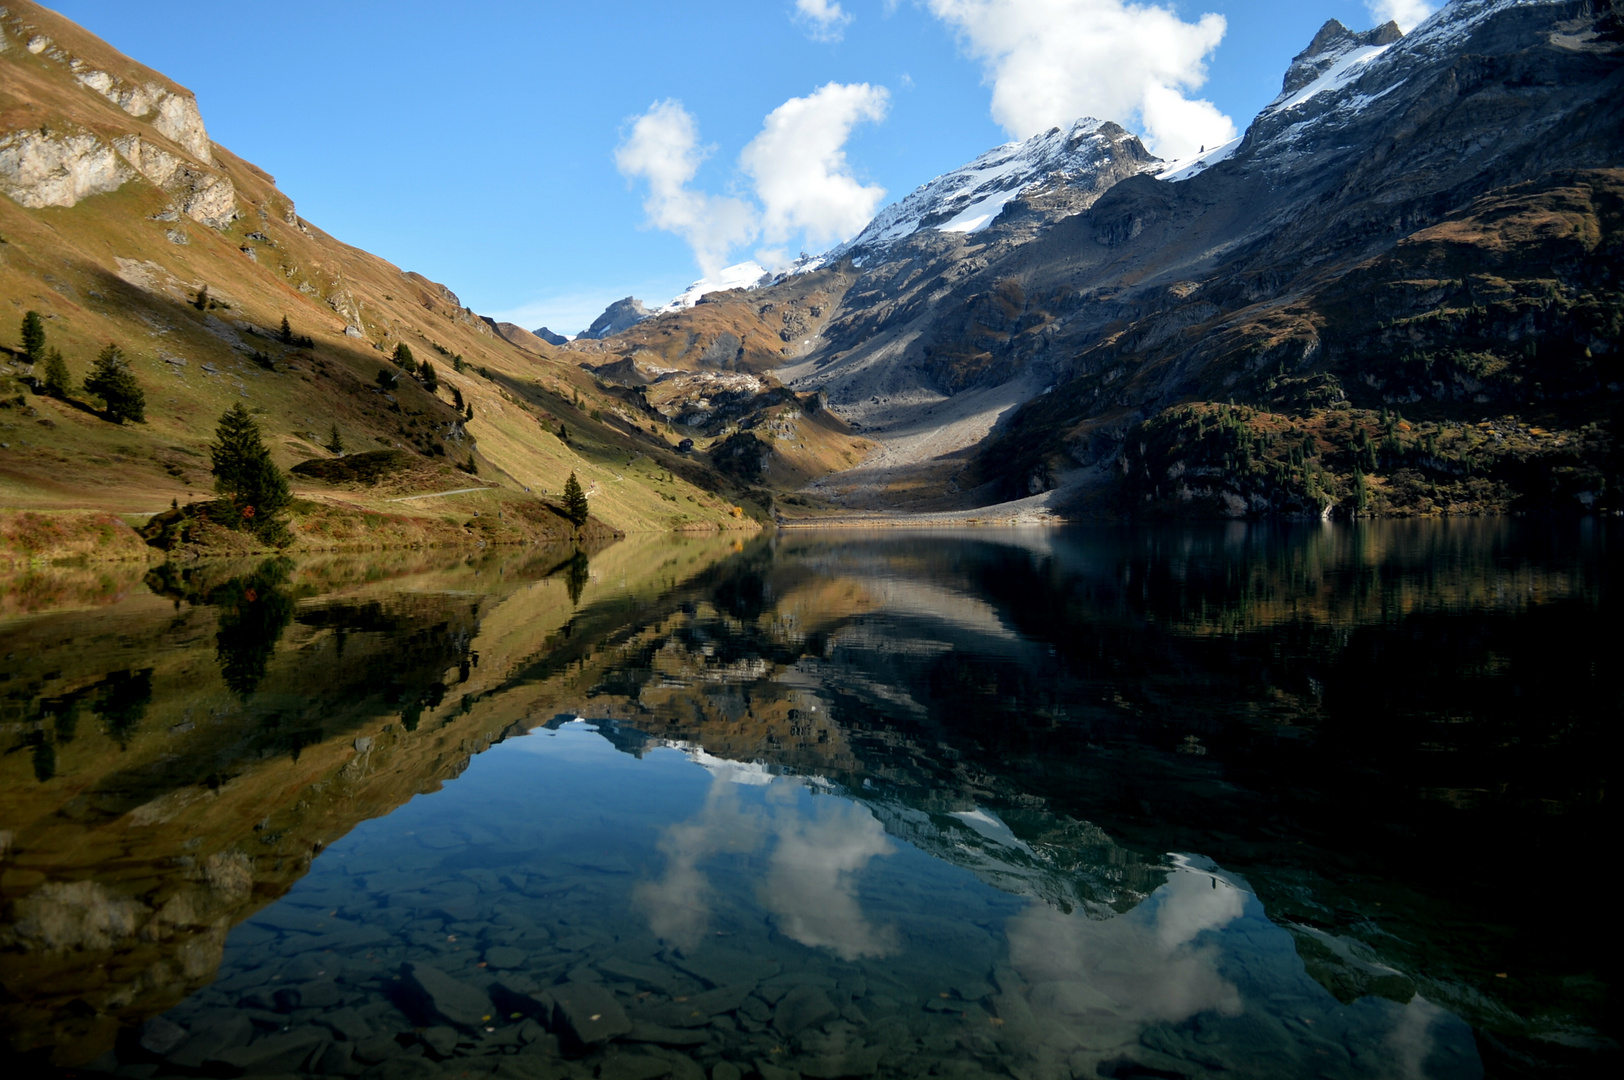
x=1250, y=800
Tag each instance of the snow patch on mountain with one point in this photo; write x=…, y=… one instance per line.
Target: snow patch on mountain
x=1345, y=70
x=1184, y=168
x=745, y=275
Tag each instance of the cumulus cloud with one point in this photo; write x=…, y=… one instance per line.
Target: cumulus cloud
x=1053, y=61
x=824, y=20
x=663, y=149
x=799, y=169
x=1407, y=13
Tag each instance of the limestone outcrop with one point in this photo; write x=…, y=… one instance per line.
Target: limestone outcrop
x=48, y=167
x=39, y=168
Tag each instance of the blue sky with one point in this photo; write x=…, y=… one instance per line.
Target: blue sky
x=516, y=151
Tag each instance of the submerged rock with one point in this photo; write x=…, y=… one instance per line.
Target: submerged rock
x=454, y=1000
x=588, y=1014
x=801, y=1008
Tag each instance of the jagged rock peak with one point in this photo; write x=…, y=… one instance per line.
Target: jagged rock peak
x=618, y=316
x=1332, y=43
x=549, y=337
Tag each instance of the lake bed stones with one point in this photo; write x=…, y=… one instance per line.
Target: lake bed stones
x=502, y=957
x=634, y=1067
x=588, y=1014
x=459, y=1002
x=801, y=1008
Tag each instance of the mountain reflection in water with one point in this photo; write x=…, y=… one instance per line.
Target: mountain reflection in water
x=846, y=804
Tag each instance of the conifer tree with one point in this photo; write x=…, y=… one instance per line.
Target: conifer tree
x=33, y=337
x=244, y=471
x=202, y=300
x=430, y=377
x=112, y=380
x=456, y=398
x=403, y=357
x=335, y=441
x=576, y=507
x=58, y=383
x=286, y=333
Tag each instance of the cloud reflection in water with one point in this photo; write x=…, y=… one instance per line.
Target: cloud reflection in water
x=1094, y=983
x=810, y=883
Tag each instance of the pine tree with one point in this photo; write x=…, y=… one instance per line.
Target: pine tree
x=387, y=380
x=112, y=380
x=403, y=357
x=244, y=471
x=286, y=333
x=456, y=398
x=430, y=377
x=202, y=300
x=57, y=382
x=335, y=441
x=470, y=413
x=33, y=337
x=575, y=502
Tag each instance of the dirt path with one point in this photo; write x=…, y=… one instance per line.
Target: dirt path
x=439, y=494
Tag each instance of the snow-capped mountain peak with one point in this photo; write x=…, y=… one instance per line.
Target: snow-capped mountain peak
x=970, y=198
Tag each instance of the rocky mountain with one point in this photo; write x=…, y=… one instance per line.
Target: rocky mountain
x=618, y=316
x=549, y=337
x=1067, y=165
x=1414, y=239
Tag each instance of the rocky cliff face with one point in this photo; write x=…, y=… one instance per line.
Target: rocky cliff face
x=60, y=163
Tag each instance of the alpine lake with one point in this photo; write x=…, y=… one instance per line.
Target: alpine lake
x=1186, y=801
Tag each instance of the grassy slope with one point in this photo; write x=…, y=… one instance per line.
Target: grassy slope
x=104, y=270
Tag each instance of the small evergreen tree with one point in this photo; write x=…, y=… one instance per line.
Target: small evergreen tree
x=404, y=359
x=286, y=333
x=112, y=380
x=387, y=380
x=470, y=412
x=33, y=337
x=456, y=398
x=244, y=471
x=576, y=507
x=430, y=377
x=201, y=302
x=335, y=442
x=58, y=382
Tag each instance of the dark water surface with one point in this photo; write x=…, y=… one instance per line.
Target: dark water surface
x=1242, y=801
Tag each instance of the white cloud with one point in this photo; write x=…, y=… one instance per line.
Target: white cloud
x=1407, y=13
x=824, y=20
x=799, y=168
x=1051, y=62
x=663, y=149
